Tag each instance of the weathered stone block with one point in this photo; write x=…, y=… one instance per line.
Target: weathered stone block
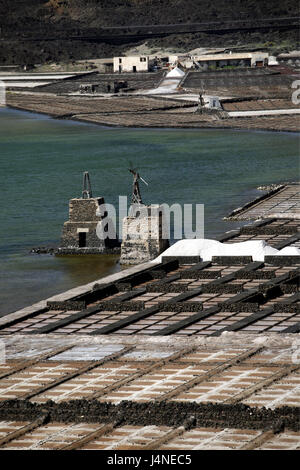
x=143, y=237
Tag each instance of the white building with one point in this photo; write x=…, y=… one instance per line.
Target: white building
x=250, y=59
x=131, y=64
x=272, y=61
x=212, y=102
x=173, y=59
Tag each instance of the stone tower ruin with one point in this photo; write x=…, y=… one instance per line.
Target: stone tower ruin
x=143, y=229
x=80, y=234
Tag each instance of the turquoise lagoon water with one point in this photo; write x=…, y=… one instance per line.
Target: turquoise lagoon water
x=41, y=166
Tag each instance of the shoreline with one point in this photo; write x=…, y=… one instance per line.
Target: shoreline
x=116, y=126
x=143, y=117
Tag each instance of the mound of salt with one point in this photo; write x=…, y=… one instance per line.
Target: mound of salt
x=175, y=73
x=206, y=249
x=255, y=248
x=289, y=251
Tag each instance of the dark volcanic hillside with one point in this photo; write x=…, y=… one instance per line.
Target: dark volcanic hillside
x=133, y=12
x=40, y=31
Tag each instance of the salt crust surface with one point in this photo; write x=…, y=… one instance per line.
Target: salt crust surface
x=206, y=249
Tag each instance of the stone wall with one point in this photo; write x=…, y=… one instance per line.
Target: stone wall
x=85, y=210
